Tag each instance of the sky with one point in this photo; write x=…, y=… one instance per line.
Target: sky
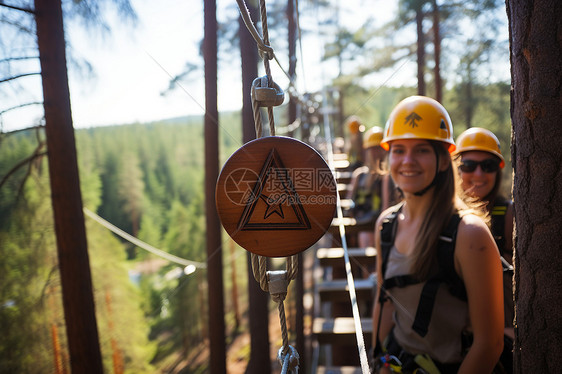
x=133, y=65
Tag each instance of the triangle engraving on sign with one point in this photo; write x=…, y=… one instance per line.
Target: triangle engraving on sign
x=274, y=204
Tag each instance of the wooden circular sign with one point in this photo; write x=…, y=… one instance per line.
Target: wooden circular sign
x=276, y=196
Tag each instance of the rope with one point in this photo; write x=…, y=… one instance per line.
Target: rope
x=141, y=244
x=350, y=282
x=266, y=93
x=265, y=50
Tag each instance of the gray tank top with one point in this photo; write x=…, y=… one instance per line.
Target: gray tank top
x=448, y=320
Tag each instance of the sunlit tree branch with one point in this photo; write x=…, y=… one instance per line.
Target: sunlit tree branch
x=17, y=76
x=27, y=10
x=20, y=106
x=27, y=161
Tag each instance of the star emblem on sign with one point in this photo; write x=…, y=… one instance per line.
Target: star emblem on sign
x=274, y=205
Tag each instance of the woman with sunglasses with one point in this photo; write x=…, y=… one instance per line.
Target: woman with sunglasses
x=439, y=289
x=480, y=167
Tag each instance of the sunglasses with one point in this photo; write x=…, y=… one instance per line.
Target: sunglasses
x=488, y=166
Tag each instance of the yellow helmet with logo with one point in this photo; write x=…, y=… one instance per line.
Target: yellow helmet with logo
x=372, y=137
x=354, y=125
x=419, y=117
x=479, y=139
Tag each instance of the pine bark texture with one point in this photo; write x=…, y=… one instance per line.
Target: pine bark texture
x=535, y=28
x=72, y=247
x=258, y=299
x=217, y=364
x=420, y=51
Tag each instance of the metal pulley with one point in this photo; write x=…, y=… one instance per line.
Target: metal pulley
x=267, y=95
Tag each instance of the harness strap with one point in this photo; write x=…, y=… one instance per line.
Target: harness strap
x=446, y=273
x=399, y=281
x=498, y=212
x=425, y=306
x=388, y=232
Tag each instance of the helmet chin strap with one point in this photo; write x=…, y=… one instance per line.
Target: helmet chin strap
x=438, y=173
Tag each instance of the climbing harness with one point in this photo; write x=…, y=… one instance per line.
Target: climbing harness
x=407, y=362
x=446, y=273
x=411, y=363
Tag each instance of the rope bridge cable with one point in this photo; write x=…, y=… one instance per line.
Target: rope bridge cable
x=141, y=244
x=350, y=282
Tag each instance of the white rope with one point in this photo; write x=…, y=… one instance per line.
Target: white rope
x=350, y=282
x=141, y=244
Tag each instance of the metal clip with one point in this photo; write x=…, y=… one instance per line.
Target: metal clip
x=289, y=360
x=267, y=96
x=277, y=281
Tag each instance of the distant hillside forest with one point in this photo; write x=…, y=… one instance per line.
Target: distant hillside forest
x=146, y=179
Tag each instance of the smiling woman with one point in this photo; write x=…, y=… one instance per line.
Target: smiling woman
x=432, y=288
x=480, y=168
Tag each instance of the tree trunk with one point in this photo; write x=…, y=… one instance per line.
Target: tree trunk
x=234, y=280
x=437, y=53
x=536, y=52
x=215, y=292
x=74, y=263
x=420, y=51
x=292, y=37
x=258, y=299
x=470, y=102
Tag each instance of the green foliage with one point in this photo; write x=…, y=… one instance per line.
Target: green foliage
x=143, y=177
x=117, y=302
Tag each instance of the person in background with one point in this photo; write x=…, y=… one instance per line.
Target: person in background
x=480, y=161
x=480, y=167
x=355, y=147
x=366, y=186
x=439, y=291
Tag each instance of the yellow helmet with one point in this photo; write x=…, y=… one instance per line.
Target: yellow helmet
x=354, y=125
x=479, y=139
x=372, y=137
x=419, y=117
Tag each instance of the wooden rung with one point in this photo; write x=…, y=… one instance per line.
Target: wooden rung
x=335, y=256
x=340, y=330
x=338, y=290
x=351, y=226
x=339, y=370
x=346, y=203
x=343, y=176
x=343, y=187
x=340, y=156
x=341, y=164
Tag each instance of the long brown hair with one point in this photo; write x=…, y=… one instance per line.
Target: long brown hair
x=436, y=217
